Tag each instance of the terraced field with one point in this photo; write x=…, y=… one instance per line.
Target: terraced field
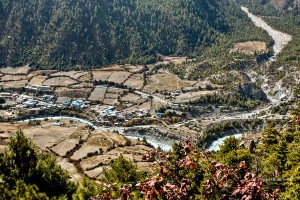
x=75, y=142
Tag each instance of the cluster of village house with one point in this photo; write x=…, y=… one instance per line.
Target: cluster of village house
x=20, y=102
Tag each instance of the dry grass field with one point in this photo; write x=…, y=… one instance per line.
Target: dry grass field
x=135, y=81
x=12, y=78
x=249, y=47
x=48, y=135
x=101, y=75
x=59, y=81
x=98, y=94
x=15, y=70
x=191, y=96
x=69, y=73
x=93, y=166
x=130, y=98
x=98, y=142
x=70, y=167
x=118, y=91
x=37, y=80
x=111, y=95
x=135, y=68
x=111, y=102
x=87, y=77
x=43, y=72
x=7, y=131
x=76, y=93
x=165, y=81
x=119, y=77
x=113, y=68
x=14, y=85
x=175, y=60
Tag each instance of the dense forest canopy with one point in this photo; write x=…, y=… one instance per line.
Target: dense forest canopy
x=60, y=34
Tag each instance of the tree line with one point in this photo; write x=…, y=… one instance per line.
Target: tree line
x=68, y=34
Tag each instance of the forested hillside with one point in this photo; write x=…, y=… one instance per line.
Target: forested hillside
x=280, y=5
x=63, y=34
x=273, y=5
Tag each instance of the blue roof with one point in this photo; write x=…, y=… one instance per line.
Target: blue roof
x=77, y=103
x=67, y=103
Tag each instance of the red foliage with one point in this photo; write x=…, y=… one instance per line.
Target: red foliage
x=154, y=187
x=172, y=182
x=247, y=187
x=225, y=183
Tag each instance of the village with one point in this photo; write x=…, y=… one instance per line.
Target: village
x=115, y=94
x=94, y=116
x=87, y=118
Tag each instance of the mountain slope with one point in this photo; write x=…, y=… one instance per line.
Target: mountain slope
x=278, y=5
x=285, y=4
x=56, y=34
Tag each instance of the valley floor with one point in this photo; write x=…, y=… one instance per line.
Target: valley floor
x=110, y=108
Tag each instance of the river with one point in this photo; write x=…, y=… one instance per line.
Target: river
x=215, y=146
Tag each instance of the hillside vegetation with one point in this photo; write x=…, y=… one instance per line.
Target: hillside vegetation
x=64, y=34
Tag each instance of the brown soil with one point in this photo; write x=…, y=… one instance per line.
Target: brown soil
x=250, y=47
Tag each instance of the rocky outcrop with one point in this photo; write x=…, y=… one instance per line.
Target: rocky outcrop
x=250, y=90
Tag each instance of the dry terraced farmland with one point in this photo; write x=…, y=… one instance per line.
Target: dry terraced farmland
x=38, y=80
x=135, y=81
x=59, y=81
x=119, y=77
x=98, y=94
x=101, y=75
x=13, y=85
x=74, y=141
x=134, y=68
x=15, y=70
x=76, y=93
x=165, y=81
x=12, y=78
x=71, y=74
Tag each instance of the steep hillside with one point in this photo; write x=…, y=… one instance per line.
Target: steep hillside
x=57, y=34
x=285, y=4
x=278, y=5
